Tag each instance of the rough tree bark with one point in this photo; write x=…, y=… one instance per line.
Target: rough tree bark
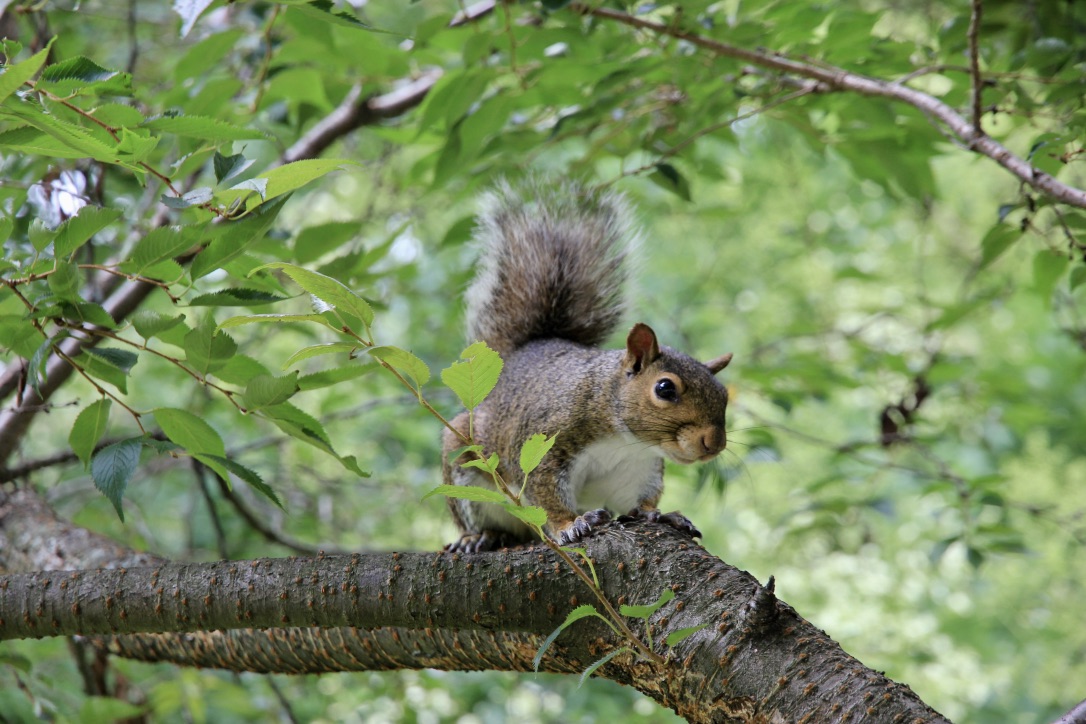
x=756, y=660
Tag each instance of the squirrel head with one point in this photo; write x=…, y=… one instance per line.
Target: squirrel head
x=672, y=400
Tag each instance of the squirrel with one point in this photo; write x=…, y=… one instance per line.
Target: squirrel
x=548, y=291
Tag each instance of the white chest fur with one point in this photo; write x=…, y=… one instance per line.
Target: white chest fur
x=615, y=473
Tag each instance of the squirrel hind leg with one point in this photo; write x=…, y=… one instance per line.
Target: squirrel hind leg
x=675, y=519
x=582, y=525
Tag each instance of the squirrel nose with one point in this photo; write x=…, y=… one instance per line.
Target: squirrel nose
x=712, y=442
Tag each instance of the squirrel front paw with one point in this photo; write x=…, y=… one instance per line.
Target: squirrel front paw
x=675, y=519
x=582, y=525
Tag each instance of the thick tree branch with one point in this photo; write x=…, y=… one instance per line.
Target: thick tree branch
x=831, y=78
x=754, y=660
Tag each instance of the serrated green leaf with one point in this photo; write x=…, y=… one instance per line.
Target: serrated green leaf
x=35, y=368
x=474, y=378
x=207, y=350
x=162, y=244
x=77, y=231
x=239, y=297
x=334, y=376
x=112, y=467
x=14, y=76
x=249, y=476
x=469, y=492
x=122, y=359
x=87, y=313
x=317, y=350
x=273, y=319
x=100, y=366
x=189, y=431
x=591, y=669
x=265, y=390
x=684, y=633
x=73, y=137
x=533, y=515
x=66, y=280
x=647, y=610
x=6, y=226
x=490, y=465
x=81, y=69
x=89, y=427
x=227, y=167
x=205, y=129
x=40, y=235
x=236, y=237
x=533, y=450
x=403, y=361
x=331, y=291
x=150, y=324
x=582, y=611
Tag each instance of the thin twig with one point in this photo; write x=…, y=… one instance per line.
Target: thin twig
x=974, y=64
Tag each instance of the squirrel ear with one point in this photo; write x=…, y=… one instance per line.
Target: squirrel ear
x=715, y=365
x=641, y=348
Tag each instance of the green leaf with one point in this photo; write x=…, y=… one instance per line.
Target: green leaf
x=35, y=368
x=78, y=68
x=90, y=425
x=317, y=350
x=227, y=167
x=235, y=238
x=275, y=319
x=533, y=515
x=668, y=177
x=582, y=611
x=1048, y=267
x=469, y=492
x=122, y=359
x=207, y=350
x=112, y=467
x=490, y=465
x=197, y=197
x=591, y=669
x=87, y=313
x=40, y=235
x=76, y=231
x=403, y=361
x=531, y=454
x=149, y=323
x=998, y=239
x=249, y=476
x=304, y=427
x=14, y=76
x=66, y=280
x=205, y=129
x=684, y=633
x=334, y=376
x=330, y=291
x=648, y=609
x=474, y=378
x=238, y=297
x=189, y=431
x=291, y=177
x=163, y=243
x=315, y=241
x=265, y=390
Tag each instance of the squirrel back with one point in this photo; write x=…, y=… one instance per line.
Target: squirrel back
x=553, y=263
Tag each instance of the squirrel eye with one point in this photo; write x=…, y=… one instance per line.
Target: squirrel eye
x=665, y=390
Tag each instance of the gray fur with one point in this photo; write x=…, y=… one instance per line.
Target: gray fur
x=553, y=263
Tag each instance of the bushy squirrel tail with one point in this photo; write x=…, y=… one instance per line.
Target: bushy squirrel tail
x=552, y=264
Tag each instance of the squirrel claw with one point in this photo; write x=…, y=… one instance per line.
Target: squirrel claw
x=675, y=519
x=583, y=525
x=481, y=542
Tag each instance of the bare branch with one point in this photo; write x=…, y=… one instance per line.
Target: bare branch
x=831, y=78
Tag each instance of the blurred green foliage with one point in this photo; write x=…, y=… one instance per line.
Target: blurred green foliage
x=907, y=439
